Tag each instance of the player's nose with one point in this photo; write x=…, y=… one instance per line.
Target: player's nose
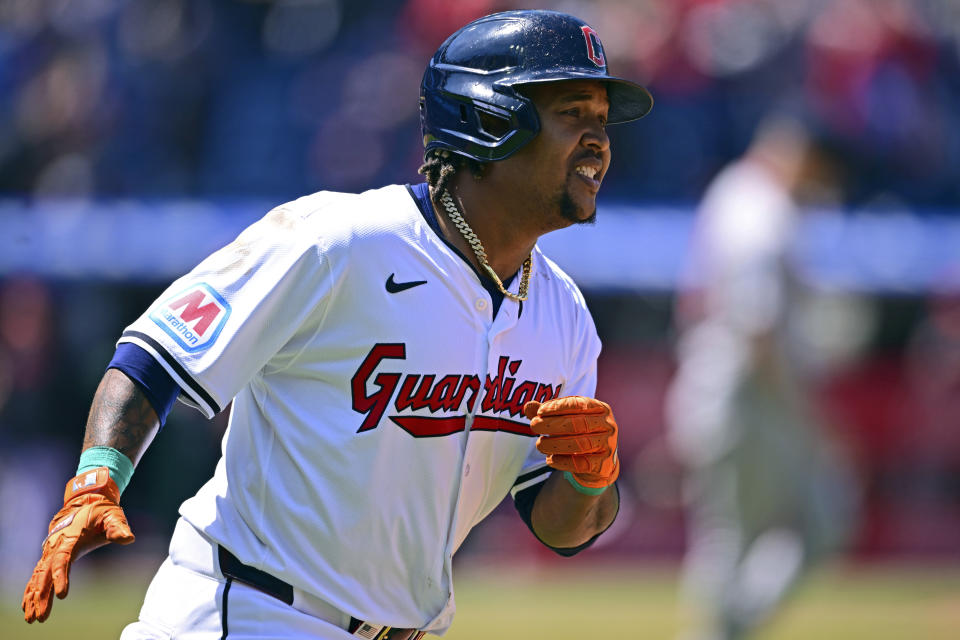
x=595, y=137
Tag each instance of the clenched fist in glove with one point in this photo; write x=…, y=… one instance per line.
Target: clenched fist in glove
x=90, y=518
x=578, y=435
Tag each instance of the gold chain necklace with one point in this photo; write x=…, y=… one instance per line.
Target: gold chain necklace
x=447, y=201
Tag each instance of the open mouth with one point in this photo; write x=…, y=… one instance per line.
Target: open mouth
x=590, y=174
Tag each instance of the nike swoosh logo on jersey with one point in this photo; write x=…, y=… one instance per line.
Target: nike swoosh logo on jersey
x=397, y=287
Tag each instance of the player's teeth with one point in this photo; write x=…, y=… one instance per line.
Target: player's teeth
x=587, y=171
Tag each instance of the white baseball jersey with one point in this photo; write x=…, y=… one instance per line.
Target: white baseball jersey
x=377, y=403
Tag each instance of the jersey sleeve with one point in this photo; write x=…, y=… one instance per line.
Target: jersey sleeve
x=581, y=381
x=583, y=366
x=214, y=329
x=160, y=389
x=523, y=502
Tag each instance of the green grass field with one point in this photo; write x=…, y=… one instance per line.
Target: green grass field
x=624, y=603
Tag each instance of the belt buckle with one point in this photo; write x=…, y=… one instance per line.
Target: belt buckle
x=369, y=631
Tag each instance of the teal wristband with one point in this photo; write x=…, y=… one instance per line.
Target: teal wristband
x=589, y=491
x=121, y=469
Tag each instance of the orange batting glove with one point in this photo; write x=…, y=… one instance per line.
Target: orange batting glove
x=90, y=518
x=578, y=435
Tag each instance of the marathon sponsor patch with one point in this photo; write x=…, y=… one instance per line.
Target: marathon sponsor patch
x=194, y=317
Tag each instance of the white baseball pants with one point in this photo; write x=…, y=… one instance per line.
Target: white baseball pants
x=190, y=599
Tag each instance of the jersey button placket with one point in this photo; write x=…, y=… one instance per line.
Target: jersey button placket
x=480, y=304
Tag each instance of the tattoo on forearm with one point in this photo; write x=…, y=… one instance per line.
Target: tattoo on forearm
x=120, y=417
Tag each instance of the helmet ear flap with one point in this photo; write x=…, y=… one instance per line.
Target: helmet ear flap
x=495, y=125
x=475, y=127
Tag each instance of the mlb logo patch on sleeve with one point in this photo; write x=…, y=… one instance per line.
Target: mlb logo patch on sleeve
x=194, y=317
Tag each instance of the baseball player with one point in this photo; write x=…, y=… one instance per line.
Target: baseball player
x=398, y=361
x=767, y=497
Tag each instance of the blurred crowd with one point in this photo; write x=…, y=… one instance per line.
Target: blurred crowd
x=222, y=98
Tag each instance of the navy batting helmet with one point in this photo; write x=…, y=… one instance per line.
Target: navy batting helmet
x=469, y=103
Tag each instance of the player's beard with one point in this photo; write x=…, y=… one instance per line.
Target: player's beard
x=571, y=212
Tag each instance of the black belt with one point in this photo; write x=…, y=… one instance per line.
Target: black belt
x=231, y=567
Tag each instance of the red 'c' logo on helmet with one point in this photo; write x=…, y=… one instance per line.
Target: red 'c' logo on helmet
x=594, y=48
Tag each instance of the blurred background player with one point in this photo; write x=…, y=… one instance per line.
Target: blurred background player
x=766, y=497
